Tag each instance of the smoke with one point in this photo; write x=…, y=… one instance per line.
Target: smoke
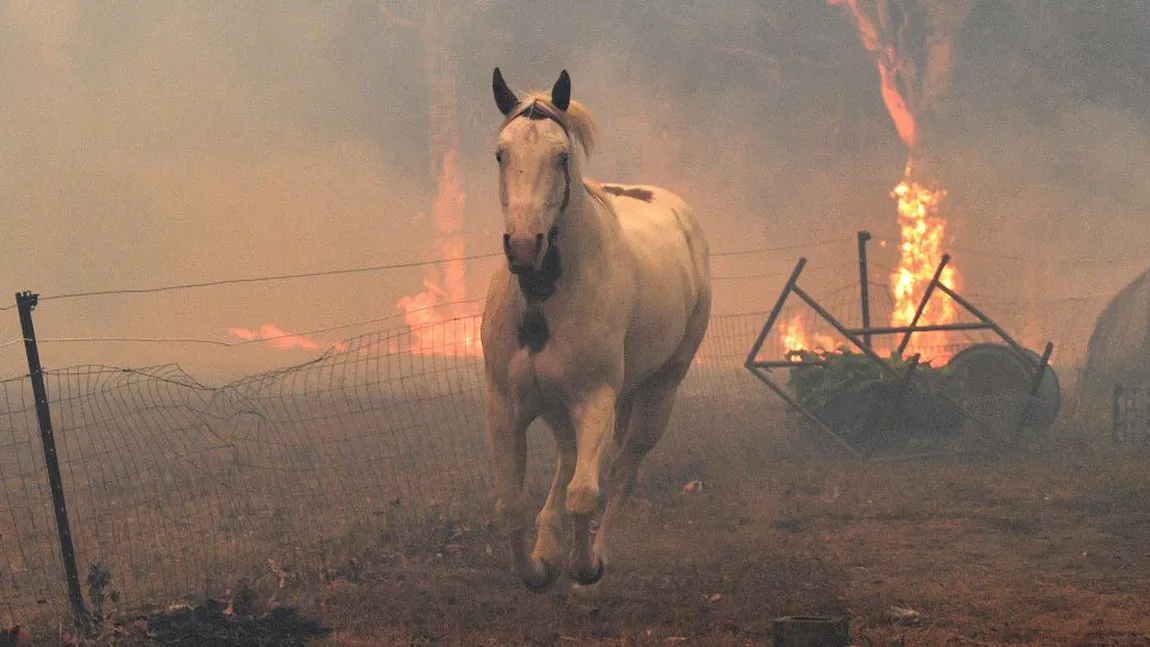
x=146, y=144
x=1048, y=155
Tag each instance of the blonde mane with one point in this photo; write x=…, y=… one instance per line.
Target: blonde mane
x=576, y=120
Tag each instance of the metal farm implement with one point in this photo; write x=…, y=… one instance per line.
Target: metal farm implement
x=874, y=406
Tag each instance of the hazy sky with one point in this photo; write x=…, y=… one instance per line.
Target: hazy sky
x=146, y=144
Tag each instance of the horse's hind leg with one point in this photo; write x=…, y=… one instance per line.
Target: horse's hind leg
x=507, y=442
x=622, y=418
x=651, y=411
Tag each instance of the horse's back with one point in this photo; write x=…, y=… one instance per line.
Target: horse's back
x=662, y=231
x=671, y=262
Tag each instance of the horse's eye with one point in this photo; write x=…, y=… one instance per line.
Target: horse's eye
x=499, y=157
x=564, y=158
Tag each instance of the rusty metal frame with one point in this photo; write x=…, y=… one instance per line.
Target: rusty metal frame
x=860, y=338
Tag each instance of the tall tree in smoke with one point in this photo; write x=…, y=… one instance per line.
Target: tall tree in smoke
x=429, y=312
x=450, y=201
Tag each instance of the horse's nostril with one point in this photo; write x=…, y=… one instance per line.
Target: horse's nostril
x=538, y=242
x=507, y=243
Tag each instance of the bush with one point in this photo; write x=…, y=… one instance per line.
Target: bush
x=843, y=370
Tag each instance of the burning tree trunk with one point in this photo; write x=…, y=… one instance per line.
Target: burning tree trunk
x=913, y=45
x=912, y=42
x=922, y=237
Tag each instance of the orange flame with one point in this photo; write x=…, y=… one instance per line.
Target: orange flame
x=794, y=337
x=433, y=334
x=923, y=234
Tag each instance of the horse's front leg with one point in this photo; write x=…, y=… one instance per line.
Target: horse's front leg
x=593, y=418
x=549, y=524
x=507, y=442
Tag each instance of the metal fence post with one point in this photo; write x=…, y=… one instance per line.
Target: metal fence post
x=1028, y=409
x=25, y=302
x=1116, y=415
x=864, y=284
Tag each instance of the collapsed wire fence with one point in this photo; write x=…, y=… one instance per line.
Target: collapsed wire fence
x=180, y=490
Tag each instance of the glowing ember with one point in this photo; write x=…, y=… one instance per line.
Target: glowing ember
x=923, y=235
x=794, y=338
x=433, y=334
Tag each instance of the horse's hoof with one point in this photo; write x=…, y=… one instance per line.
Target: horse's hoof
x=587, y=577
x=543, y=575
x=591, y=595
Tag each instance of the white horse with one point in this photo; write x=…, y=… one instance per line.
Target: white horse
x=591, y=325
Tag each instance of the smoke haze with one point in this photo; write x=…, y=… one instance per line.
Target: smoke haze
x=148, y=144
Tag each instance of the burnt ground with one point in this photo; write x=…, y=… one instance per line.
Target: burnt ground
x=1047, y=547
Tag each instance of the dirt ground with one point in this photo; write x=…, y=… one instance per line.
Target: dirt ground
x=1047, y=547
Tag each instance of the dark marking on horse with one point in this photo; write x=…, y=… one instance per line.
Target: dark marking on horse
x=566, y=191
x=638, y=194
x=533, y=333
x=538, y=285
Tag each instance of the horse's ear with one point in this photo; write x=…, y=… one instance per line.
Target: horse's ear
x=561, y=93
x=505, y=99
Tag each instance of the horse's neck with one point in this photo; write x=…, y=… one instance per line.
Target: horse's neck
x=587, y=232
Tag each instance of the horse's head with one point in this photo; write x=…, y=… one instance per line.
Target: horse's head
x=537, y=169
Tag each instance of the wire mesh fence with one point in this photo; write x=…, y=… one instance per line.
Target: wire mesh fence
x=1131, y=415
x=32, y=572
x=179, y=490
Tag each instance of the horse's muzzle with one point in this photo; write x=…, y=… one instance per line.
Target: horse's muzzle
x=524, y=253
